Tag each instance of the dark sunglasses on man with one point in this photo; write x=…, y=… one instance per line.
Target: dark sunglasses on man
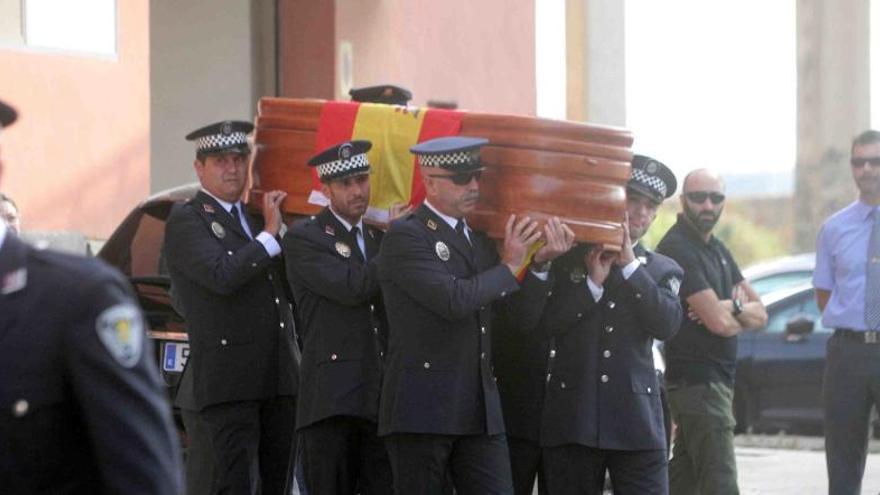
x=699, y=197
x=860, y=162
x=461, y=178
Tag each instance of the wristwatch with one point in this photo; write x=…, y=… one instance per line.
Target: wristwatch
x=737, y=307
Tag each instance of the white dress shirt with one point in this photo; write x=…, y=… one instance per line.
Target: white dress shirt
x=266, y=239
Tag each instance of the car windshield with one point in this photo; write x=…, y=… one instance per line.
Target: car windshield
x=772, y=283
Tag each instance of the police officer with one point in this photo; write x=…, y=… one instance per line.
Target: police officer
x=602, y=408
x=332, y=269
x=228, y=275
x=82, y=409
x=440, y=407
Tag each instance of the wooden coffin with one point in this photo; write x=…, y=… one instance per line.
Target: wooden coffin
x=538, y=167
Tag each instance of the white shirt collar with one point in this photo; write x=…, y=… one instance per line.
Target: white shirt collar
x=452, y=221
x=360, y=224
x=2, y=233
x=225, y=204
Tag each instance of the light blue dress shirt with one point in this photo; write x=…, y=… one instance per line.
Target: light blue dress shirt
x=841, y=261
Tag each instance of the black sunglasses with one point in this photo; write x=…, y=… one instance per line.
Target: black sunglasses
x=700, y=196
x=860, y=162
x=462, y=178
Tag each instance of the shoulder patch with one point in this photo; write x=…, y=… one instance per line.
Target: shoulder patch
x=121, y=329
x=674, y=284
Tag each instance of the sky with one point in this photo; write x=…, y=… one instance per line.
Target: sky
x=712, y=83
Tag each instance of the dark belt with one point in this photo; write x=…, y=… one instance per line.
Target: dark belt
x=863, y=336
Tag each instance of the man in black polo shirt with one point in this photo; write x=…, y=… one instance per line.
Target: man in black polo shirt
x=701, y=359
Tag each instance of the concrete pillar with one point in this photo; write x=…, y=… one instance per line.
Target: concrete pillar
x=596, y=61
x=833, y=101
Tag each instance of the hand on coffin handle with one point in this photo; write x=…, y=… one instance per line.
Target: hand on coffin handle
x=272, y=211
x=518, y=236
x=559, y=239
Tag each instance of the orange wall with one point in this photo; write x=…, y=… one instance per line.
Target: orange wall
x=78, y=158
x=478, y=53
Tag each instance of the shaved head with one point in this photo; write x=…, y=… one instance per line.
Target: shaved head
x=703, y=179
x=697, y=203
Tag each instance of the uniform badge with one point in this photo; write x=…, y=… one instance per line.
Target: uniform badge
x=577, y=275
x=442, y=250
x=343, y=249
x=345, y=152
x=121, y=330
x=431, y=224
x=329, y=230
x=208, y=208
x=14, y=282
x=218, y=230
x=651, y=168
x=674, y=284
x=226, y=128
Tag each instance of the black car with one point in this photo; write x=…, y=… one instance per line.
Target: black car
x=135, y=248
x=780, y=367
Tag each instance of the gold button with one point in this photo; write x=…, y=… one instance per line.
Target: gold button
x=606, y=353
x=611, y=304
x=552, y=352
x=281, y=324
x=427, y=365
x=333, y=357
x=604, y=378
x=277, y=301
x=20, y=408
x=229, y=253
x=649, y=390
x=222, y=341
x=609, y=329
x=483, y=330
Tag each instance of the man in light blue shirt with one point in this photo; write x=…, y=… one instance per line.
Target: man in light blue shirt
x=847, y=282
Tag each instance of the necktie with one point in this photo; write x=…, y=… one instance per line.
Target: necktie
x=459, y=228
x=872, y=276
x=237, y=218
x=357, y=240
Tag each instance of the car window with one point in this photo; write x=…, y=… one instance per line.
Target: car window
x=781, y=312
x=771, y=283
x=812, y=309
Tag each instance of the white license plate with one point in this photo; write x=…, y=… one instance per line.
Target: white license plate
x=174, y=356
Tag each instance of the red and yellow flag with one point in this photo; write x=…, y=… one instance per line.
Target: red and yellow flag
x=392, y=130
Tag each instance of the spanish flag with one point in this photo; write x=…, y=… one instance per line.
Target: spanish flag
x=392, y=130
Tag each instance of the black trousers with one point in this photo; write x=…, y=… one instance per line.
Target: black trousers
x=253, y=445
x=525, y=466
x=477, y=464
x=580, y=470
x=852, y=386
x=200, y=470
x=343, y=456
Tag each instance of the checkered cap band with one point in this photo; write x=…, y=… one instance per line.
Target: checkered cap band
x=651, y=181
x=220, y=141
x=340, y=167
x=451, y=160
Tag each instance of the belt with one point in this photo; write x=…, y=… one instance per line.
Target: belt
x=863, y=336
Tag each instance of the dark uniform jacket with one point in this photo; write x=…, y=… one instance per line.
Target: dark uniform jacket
x=340, y=313
x=439, y=295
x=602, y=388
x=238, y=317
x=520, y=359
x=82, y=409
